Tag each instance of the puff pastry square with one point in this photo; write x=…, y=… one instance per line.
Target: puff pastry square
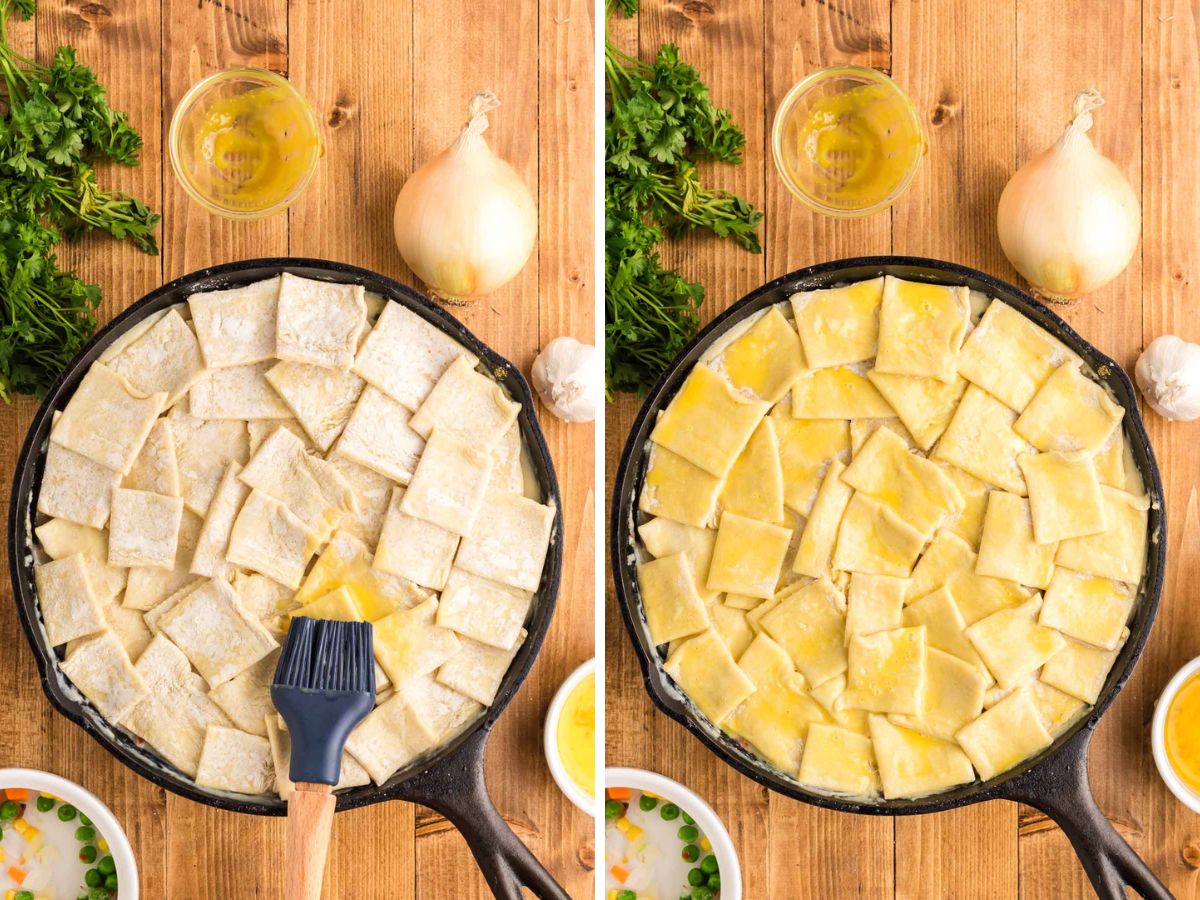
x=730, y=623
x=166, y=359
x=1088, y=608
x=921, y=329
x=238, y=392
x=912, y=764
x=468, y=406
x=106, y=420
x=814, y=554
x=1080, y=670
x=1013, y=644
x=483, y=610
x=442, y=710
x=232, y=760
x=510, y=542
x=1004, y=735
x=704, y=668
x=266, y=538
x=1119, y=552
x=99, y=666
x=61, y=538
x=874, y=603
x=968, y=524
x=340, y=604
x=776, y=719
x=678, y=490
x=946, y=556
x=246, y=698
x=953, y=696
x=156, y=468
x=841, y=392
x=415, y=548
x=839, y=325
x=215, y=633
x=146, y=586
x=766, y=360
x=69, y=606
x=838, y=761
x=886, y=671
x=748, y=556
x=1010, y=356
x=754, y=486
x=1008, y=548
x=409, y=642
x=208, y=559
x=404, y=356
x=372, y=493
x=810, y=625
x=236, y=327
x=1070, y=413
x=319, y=322
x=707, y=423
x=663, y=537
x=806, y=449
x=281, y=469
x=75, y=488
x=449, y=484
x=380, y=437
x=944, y=624
x=321, y=399
x=874, y=540
x=924, y=405
x=204, y=450
x=672, y=606
x=477, y=669
x=144, y=529
x=1064, y=496
x=981, y=441
x=392, y=735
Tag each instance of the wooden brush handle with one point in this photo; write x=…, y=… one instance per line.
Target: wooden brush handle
x=309, y=822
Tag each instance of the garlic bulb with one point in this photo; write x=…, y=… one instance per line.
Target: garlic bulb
x=566, y=374
x=1069, y=219
x=1168, y=372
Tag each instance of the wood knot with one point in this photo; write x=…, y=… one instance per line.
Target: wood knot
x=575, y=276
x=586, y=856
x=1178, y=274
x=944, y=109
x=94, y=14
x=695, y=11
x=340, y=113
x=1190, y=854
x=572, y=85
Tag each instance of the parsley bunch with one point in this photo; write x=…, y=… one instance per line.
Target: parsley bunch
x=55, y=125
x=660, y=122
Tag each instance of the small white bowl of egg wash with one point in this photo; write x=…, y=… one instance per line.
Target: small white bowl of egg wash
x=60, y=840
x=569, y=737
x=662, y=840
x=1175, y=735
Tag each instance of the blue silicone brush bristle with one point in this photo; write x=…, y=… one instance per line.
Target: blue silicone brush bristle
x=324, y=685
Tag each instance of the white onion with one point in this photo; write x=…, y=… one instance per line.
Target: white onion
x=1069, y=219
x=465, y=221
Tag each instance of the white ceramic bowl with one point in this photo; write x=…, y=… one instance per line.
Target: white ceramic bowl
x=1158, y=732
x=689, y=801
x=90, y=805
x=566, y=784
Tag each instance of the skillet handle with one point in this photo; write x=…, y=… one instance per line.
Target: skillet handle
x=1059, y=788
x=456, y=789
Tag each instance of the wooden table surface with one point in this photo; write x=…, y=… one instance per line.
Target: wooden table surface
x=994, y=81
x=389, y=82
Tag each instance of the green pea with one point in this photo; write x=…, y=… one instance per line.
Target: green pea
x=9, y=810
x=106, y=865
x=612, y=809
x=626, y=895
x=709, y=864
x=111, y=882
x=92, y=878
x=45, y=804
x=688, y=819
x=85, y=834
x=669, y=812
x=701, y=893
x=691, y=853
x=714, y=881
x=99, y=893
x=696, y=878
x=23, y=895
x=84, y=820
x=647, y=802
x=689, y=834
x=67, y=812
x=87, y=854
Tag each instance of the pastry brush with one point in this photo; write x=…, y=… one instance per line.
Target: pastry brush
x=324, y=685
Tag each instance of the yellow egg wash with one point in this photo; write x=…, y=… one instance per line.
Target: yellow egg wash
x=253, y=149
x=857, y=147
x=1183, y=733
x=577, y=734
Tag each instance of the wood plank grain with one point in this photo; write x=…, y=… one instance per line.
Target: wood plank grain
x=806, y=859
x=1170, y=268
x=957, y=64
x=346, y=214
x=209, y=852
x=1051, y=69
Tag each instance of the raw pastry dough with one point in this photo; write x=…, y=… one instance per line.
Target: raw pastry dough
x=754, y=486
x=1081, y=669
x=815, y=551
x=204, y=450
x=510, y=543
x=874, y=540
x=748, y=556
x=839, y=325
x=319, y=322
x=100, y=668
x=236, y=327
x=477, y=669
x=246, y=698
x=704, y=669
x=144, y=529
x=947, y=556
x=106, y=420
x=268, y=539
x=281, y=470
x=810, y=625
x=1013, y=645
x=912, y=764
x=69, y=606
x=60, y=538
x=776, y=719
x=1064, y=496
x=663, y=537
x=239, y=392
x=921, y=329
x=953, y=696
x=379, y=437
x=1006, y=734
x=672, y=606
x=944, y=625
x=1120, y=551
x=980, y=440
x=209, y=557
x=156, y=468
x=483, y=610
x=415, y=548
x=1010, y=356
x=1070, y=413
x=321, y=399
x=372, y=494
x=75, y=488
x=391, y=736
x=468, y=406
x=886, y=671
x=409, y=642
x=145, y=586
x=1007, y=548
x=449, y=484
x=232, y=760
x=838, y=761
x=874, y=603
x=765, y=361
x=842, y=392
x=676, y=489
x=1088, y=608
x=166, y=359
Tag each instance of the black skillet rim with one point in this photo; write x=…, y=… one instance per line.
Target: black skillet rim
x=630, y=473
x=27, y=476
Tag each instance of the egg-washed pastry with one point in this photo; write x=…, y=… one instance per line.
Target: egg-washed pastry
x=294, y=447
x=888, y=552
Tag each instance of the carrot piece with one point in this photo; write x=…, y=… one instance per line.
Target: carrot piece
x=17, y=874
x=620, y=873
x=619, y=793
x=18, y=793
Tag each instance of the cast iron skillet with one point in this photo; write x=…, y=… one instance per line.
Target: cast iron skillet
x=1055, y=781
x=451, y=780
